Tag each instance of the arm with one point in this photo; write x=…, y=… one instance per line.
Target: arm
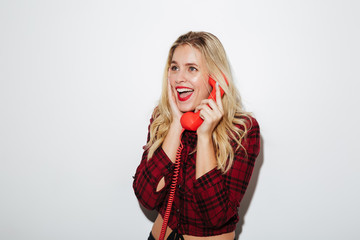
x=170, y=146
x=153, y=177
x=218, y=196
x=148, y=175
x=211, y=112
x=205, y=156
x=172, y=139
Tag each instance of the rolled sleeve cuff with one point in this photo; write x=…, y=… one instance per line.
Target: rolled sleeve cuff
x=208, y=180
x=159, y=165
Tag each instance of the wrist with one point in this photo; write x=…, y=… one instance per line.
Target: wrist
x=204, y=137
x=204, y=140
x=176, y=125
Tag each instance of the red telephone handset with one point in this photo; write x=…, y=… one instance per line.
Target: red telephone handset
x=190, y=120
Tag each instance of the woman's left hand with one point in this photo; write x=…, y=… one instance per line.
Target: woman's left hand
x=211, y=112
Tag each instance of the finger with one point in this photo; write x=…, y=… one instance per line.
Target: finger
x=172, y=102
x=169, y=88
x=201, y=108
x=197, y=109
x=171, y=95
x=214, y=106
x=206, y=102
x=207, y=112
x=207, y=115
x=201, y=116
x=203, y=103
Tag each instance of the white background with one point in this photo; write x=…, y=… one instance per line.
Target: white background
x=79, y=80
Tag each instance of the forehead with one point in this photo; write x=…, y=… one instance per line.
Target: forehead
x=187, y=54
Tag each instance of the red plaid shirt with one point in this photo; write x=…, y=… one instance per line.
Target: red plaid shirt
x=205, y=206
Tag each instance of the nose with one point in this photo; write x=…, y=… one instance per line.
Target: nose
x=180, y=77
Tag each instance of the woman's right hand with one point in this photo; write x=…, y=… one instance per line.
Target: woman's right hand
x=172, y=139
x=176, y=113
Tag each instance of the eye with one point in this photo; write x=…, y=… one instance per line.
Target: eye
x=192, y=69
x=174, y=68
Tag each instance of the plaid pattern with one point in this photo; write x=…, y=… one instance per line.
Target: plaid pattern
x=205, y=206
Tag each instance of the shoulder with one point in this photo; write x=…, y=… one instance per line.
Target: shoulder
x=251, y=138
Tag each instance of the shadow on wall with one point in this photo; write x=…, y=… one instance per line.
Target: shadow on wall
x=150, y=214
x=245, y=202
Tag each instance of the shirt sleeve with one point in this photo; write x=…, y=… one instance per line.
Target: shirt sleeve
x=147, y=176
x=218, y=195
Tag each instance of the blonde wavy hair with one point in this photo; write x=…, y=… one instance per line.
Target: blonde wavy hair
x=218, y=67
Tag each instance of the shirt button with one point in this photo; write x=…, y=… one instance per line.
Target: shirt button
x=178, y=210
x=179, y=186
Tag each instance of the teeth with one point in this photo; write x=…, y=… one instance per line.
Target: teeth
x=182, y=90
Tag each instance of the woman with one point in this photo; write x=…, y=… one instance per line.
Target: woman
x=216, y=160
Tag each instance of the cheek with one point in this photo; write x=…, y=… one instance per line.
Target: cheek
x=201, y=85
x=205, y=91
x=171, y=77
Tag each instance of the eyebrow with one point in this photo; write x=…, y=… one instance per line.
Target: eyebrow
x=186, y=64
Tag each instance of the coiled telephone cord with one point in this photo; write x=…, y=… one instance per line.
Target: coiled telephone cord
x=172, y=189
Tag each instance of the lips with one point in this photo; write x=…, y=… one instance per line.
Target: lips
x=184, y=93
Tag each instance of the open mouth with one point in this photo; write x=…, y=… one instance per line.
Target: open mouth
x=184, y=93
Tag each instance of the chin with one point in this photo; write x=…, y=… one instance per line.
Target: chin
x=185, y=109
